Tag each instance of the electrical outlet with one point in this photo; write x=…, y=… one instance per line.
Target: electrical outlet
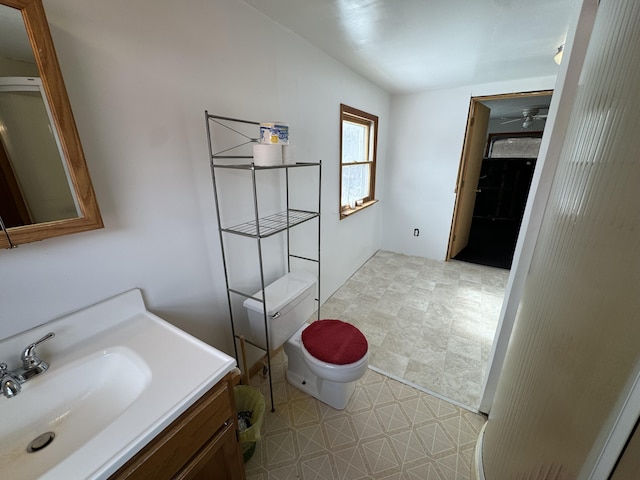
x=416, y=232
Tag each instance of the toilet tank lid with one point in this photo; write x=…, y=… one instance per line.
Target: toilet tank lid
x=281, y=292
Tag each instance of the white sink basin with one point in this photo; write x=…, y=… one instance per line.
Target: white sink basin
x=74, y=401
x=118, y=376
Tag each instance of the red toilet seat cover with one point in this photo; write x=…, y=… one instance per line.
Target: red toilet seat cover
x=334, y=341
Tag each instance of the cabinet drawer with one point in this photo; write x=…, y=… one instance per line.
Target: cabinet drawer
x=166, y=455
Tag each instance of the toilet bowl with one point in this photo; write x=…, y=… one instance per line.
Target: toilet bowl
x=331, y=383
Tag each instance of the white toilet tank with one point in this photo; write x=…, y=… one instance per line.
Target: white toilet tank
x=290, y=302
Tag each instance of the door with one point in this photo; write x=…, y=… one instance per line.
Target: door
x=468, y=175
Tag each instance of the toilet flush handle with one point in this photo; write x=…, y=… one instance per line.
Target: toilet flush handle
x=275, y=315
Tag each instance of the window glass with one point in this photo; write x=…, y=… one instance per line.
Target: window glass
x=354, y=142
x=515, y=147
x=355, y=183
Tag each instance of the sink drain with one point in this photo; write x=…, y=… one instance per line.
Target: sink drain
x=40, y=442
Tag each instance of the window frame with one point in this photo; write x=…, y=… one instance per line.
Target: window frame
x=369, y=120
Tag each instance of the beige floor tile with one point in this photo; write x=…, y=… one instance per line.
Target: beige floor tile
x=454, y=467
x=350, y=464
x=310, y=440
x=379, y=455
x=417, y=411
x=424, y=472
x=303, y=411
x=367, y=424
x=435, y=439
x=339, y=432
x=318, y=467
x=289, y=472
x=389, y=430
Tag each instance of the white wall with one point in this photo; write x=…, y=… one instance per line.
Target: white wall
x=426, y=136
x=139, y=78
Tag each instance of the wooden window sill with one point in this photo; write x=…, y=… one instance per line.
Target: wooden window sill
x=344, y=213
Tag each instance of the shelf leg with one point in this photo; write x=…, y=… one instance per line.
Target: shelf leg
x=243, y=348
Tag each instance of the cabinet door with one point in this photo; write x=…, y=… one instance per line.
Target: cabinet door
x=220, y=459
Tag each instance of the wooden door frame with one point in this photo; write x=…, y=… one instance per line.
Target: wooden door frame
x=467, y=138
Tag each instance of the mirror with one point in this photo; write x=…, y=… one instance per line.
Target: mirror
x=45, y=188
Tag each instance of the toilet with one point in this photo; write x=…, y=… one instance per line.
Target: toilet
x=326, y=357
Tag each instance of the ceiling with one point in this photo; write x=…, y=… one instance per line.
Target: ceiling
x=409, y=45
x=415, y=45
x=513, y=107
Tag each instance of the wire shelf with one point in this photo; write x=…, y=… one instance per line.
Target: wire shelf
x=272, y=224
x=252, y=166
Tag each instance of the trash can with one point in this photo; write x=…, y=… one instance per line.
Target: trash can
x=250, y=410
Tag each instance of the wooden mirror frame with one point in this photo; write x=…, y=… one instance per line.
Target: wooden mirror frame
x=89, y=218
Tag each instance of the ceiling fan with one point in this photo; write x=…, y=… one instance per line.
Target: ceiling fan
x=528, y=116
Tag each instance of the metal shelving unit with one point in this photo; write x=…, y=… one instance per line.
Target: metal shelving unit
x=258, y=228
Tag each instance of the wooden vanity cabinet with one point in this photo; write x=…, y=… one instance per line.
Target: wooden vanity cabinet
x=200, y=444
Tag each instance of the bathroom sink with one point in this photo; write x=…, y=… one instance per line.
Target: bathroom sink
x=118, y=375
x=73, y=401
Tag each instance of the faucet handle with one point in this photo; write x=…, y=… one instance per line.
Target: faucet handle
x=9, y=385
x=29, y=357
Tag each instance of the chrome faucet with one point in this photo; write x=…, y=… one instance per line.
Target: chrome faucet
x=32, y=365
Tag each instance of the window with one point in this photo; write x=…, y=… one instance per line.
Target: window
x=358, y=142
x=514, y=145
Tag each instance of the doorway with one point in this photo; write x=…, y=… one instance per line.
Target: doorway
x=497, y=164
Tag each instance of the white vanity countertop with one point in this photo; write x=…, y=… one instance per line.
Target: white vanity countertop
x=163, y=372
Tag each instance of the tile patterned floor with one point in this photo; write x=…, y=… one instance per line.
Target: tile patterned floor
x=428, y=322
x=388, y=431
